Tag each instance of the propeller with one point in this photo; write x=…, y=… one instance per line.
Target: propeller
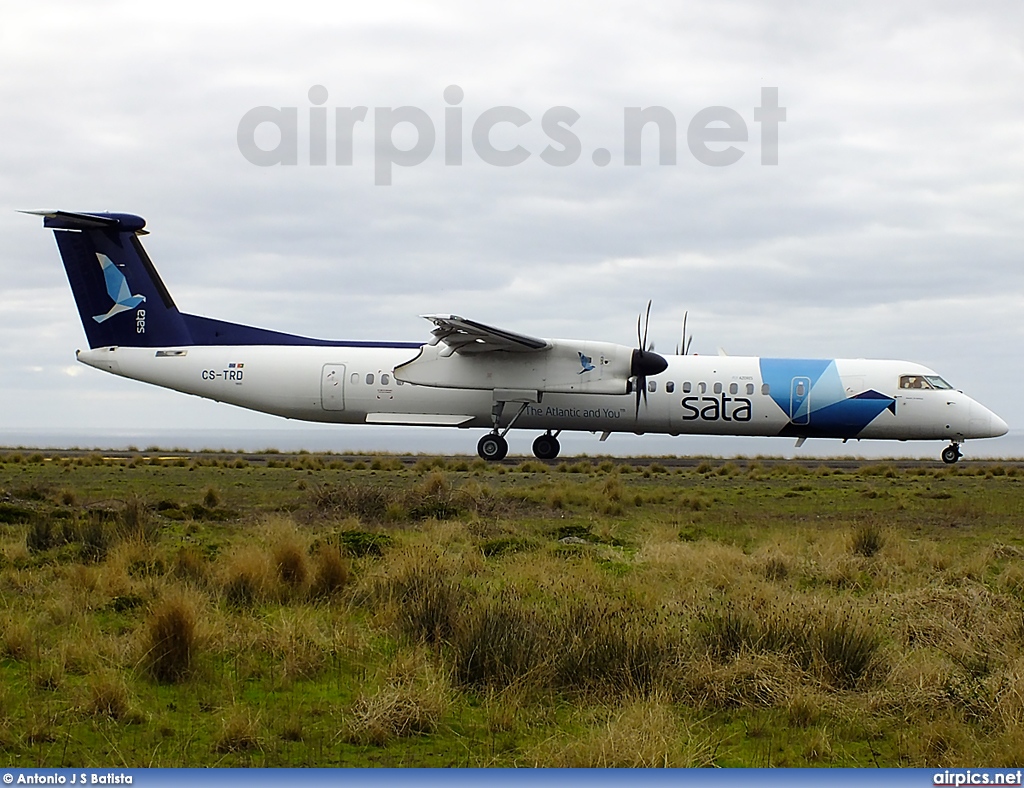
x=644, y=362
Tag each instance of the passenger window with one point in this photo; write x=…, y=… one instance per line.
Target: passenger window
x=369, y=378
x=687, y=388
x=670, y=386
x=702, y=387
x=766, y=389
x=399, y=382
x=718, y=388
x=385, y=379
x=652, y=385
x=734, y=388
x=355, y=377
x=750, y=389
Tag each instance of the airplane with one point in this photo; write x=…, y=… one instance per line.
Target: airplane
x=474, y=376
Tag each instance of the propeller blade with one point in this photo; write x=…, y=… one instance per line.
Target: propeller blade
x=685, y=315
x=644, y=361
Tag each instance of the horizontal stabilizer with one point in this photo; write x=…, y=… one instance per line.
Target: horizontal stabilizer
x=67, y=220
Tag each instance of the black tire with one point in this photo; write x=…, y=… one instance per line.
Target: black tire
x=546, y=447
x=492, y=447
x=951, y=454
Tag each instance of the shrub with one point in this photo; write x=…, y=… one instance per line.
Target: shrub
x=41, y=535
x=211, y=497
x=840, y=646
x=366, y=502
x=12, y=514
x=364, y=543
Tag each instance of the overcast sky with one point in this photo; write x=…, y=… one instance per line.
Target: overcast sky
x=891, y=226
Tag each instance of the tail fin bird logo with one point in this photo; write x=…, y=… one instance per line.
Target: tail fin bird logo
x=117, y=289
x=586, y=362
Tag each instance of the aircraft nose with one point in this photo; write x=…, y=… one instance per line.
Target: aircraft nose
x=984, y=423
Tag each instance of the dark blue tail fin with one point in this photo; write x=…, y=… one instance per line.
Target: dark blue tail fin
x=122, y=301
x=120, y=296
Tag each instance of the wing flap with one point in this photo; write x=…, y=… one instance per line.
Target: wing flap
x=469, y=336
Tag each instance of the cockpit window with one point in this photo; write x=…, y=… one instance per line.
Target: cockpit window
x=923, y=382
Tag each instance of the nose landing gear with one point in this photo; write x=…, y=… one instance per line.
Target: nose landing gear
x=951, y=453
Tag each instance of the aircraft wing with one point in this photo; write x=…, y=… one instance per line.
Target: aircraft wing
x=468, y=336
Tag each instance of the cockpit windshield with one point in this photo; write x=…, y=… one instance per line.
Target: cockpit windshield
x=923, y=382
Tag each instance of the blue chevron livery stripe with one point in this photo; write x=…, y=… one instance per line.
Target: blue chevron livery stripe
x=811, y=393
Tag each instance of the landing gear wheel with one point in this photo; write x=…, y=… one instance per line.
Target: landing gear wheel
x=951, y=454
x=492, y=447
x=546, y=447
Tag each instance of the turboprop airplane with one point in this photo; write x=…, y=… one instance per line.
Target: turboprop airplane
x=474, y=376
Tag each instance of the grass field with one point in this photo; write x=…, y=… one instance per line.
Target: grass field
x=324, y=611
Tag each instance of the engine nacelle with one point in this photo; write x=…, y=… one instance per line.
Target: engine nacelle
x=565, y=367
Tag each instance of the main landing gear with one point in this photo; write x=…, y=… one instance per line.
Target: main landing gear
x=951, y=453
x=493, y=447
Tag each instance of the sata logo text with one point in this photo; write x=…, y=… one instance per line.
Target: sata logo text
x=720, y=408
x=140, y=321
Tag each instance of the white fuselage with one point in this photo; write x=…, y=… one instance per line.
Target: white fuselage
x=722, y=395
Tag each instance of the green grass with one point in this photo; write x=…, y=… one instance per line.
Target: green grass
x=323, y=610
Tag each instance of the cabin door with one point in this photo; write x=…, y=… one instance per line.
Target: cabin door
x=332, y=387
x=800, y=400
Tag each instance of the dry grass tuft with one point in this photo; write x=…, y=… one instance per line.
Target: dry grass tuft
x=247, y=577
x=170, y=638
x=18, y=640
x=290, y=555
x=645, y=733
x=867, y=539
x=405, y=708
x=107, y=695
x=751, y=679
x=331, y=572
x=190, y=564
x=240, y=732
